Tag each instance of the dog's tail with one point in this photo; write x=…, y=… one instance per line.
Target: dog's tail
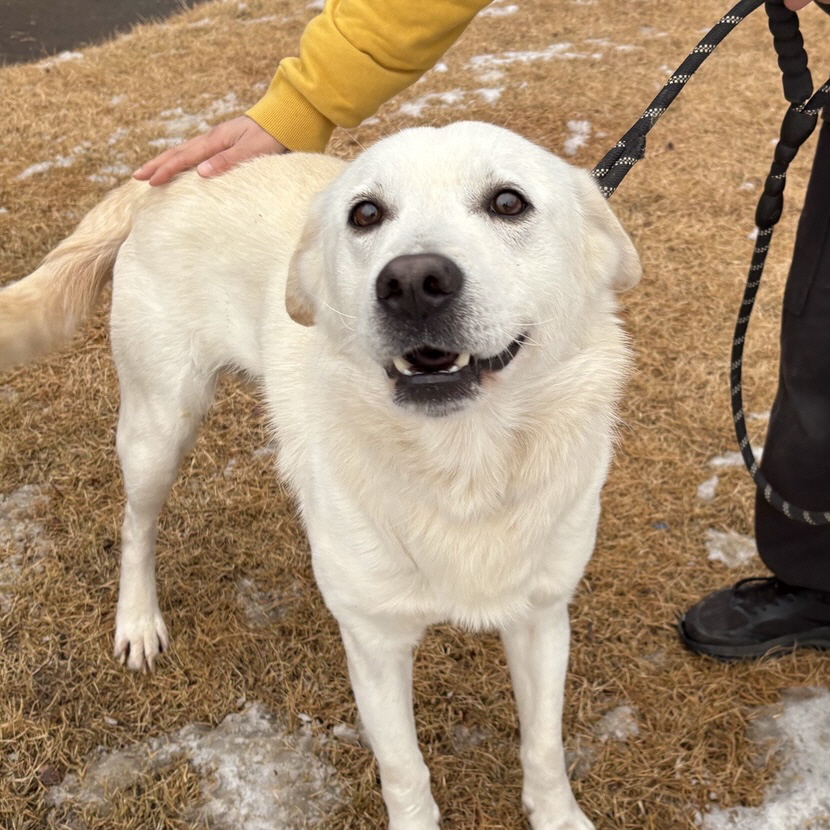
x=40, y=312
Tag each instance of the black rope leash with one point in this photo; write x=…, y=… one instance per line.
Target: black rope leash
x=798, y=124
x=616, y=163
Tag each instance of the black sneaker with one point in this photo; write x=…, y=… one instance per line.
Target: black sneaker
x=757, y=616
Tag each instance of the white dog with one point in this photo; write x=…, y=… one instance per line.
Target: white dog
x=444, y=410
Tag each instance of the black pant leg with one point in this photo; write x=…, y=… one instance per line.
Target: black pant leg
x=796, y=458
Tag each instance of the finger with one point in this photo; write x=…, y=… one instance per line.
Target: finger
x=192, y=152
x=149, y=167
x=256, y=144
x=218, y=164
x=185, y=156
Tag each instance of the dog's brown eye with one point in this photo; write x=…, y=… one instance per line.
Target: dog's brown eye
x=366, y=214
x=508, y=203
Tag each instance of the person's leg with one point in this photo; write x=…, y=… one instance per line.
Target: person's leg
x=796, y=458
x=793, y=607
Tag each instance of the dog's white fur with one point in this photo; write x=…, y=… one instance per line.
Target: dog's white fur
x=484, y=516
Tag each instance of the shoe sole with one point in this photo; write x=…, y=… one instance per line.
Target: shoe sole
x=778, y=647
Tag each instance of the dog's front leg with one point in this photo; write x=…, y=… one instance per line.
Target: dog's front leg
x=380, y=667
x=537, y=653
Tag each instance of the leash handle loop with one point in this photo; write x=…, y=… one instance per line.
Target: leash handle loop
x=789, y=46
x=797, y=126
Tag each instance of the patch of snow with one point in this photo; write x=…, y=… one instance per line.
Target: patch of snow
x=271, y=18
x=489, y=95
x=619, y=725
x=4, y=210
x=119, y=135
x=265, y=452
x=416, y=108
x=61, y=57
x=60, y=161
x=706, y=491
x=731, y=548
x=496, y=10
x=110, y=174
x=467, y=737
x=178, y=124
x=606, y=41
x=346, y=734
x=798, y=731
x=23, y=540
x=580, y=131
x=453, y=97
x=263, y=608
x=561, y=51
x=256, y=775
x=733, y=458
x=491, y=76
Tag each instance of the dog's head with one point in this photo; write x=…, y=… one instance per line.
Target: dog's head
x=441, y=255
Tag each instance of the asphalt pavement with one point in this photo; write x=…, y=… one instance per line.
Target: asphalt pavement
x=34, y=29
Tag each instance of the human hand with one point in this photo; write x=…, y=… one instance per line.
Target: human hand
x=215, y=152
x=795, y=5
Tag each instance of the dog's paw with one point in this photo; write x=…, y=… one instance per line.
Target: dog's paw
x=574, y=820
x=139, y=639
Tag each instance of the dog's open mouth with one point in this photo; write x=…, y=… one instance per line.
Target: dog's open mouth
x=439, y=381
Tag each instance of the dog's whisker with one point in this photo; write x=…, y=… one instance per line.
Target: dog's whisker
x=351, y=135
x=338, y=312
x=344, y=318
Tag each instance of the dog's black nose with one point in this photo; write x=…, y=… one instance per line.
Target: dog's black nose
x=418, y=285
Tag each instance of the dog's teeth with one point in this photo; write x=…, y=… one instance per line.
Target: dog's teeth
x=461, y=361
x=403, y=366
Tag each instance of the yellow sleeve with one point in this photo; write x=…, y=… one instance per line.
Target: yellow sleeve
x=354, y=56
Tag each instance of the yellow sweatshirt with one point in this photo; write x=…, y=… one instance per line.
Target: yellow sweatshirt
x=354, y=56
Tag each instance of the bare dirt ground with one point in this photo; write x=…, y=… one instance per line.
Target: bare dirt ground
x=249, y=721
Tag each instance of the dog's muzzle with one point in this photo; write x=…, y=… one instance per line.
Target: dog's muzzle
x=420, y=300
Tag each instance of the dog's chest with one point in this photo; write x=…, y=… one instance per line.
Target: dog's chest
x=475, y=552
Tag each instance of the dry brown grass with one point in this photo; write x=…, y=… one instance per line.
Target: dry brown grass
x=62, y=695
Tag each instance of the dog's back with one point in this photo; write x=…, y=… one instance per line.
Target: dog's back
x=42, y=311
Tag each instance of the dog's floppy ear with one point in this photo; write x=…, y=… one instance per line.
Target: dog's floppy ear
x=610, y=250
x=304, y=274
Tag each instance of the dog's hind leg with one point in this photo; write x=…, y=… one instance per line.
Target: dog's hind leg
x=537, y=653
x=159, y=417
